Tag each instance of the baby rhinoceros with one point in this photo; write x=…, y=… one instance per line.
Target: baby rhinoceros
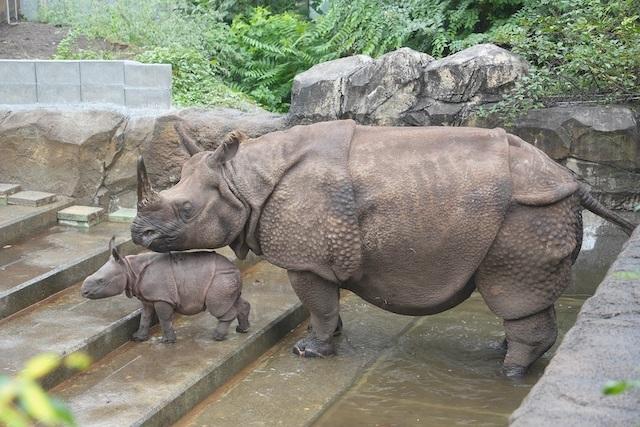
x=187, y=283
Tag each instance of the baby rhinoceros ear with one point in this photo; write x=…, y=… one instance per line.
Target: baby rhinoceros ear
x=228, y=149
x=113, y=249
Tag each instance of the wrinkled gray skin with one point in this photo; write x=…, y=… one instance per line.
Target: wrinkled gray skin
x=186, y=283
x=410, y=219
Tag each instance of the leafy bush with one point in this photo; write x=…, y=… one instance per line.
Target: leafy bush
x=23, y=402
x=578, y=49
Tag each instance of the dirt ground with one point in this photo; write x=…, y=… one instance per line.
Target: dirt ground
x=29, y=40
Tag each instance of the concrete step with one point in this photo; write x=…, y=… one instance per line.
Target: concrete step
x=154, y=384
x=31, y=198
x=285, y=390
x=66, y=322
x=18, y=222
x=55, y=259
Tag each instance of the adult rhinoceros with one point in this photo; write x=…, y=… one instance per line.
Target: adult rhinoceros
x=410, y=219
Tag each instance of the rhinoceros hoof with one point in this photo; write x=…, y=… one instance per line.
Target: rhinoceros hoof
x=218, y=336
x=241, y=330
x=168, y=340
x=313, y=347
x=514, y=371
x=139, y=338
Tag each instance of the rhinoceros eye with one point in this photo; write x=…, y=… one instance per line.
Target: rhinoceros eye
x=186, y=211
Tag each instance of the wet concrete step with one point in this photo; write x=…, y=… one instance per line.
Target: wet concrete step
x=154, y=384
x=66, y=322
x=54, y=259
x=285, y=390
x=18, y=222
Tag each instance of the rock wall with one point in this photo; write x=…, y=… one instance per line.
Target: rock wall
x=603, y=345
x=91, y=154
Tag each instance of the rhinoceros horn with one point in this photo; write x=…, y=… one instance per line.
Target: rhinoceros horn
x=146, y=194
x=188, y=143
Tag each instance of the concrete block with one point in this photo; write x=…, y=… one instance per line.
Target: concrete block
x=102, y=72
x=147, y=75
x=17, y=71
x=7, y=189
x=123, y=215
x=99, y=93
x=4, y=200
x=58, y=93
x=58, y=72
x=81, y=216
x=11, y=93
x=147, y=98
x=31, y=198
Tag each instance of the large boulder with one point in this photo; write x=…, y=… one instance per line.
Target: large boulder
x=317, y=93
x=405, y=87
x=380, y=91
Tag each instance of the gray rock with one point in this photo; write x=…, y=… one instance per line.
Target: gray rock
x=603, y=345
x=381, y=91
x=317, y=93
x=480, y=73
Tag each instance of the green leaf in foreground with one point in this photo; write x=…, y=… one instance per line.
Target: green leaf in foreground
x=612, y=388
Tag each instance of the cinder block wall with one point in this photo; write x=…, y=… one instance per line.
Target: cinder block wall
x=125, y=83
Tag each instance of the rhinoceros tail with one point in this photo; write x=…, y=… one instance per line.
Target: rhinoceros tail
x=591, y=204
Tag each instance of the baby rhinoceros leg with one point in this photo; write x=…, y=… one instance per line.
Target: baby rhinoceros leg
x=165, y=317
x=243, y=308
x=142, y=334
x=239, y=310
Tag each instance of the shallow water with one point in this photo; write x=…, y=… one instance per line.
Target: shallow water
x=445, y=370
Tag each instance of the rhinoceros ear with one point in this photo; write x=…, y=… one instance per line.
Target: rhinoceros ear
x=228, y=149
x=113, y=249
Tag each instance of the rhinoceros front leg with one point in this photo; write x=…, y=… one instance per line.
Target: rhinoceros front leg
x=321, y=298
x=142, y=334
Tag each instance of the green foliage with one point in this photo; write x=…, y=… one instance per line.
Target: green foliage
x=23, y=402
x=612, y=388
x=578, y=49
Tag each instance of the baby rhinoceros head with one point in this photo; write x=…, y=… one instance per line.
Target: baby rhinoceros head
x=109, y=280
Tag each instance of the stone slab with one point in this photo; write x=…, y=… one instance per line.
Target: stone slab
x=147, y=75
x=84, y=216
x=101, y=93
x=603, y=345
x=3, y=200
x=59, y=93
x=123, y=215
x=20, y=222
x=153, y=384
x=147, y=97
x=7, y=189
x=57, y=73
x=18, y=93
x=102, y=73
x=17, y=72
x=31, y=198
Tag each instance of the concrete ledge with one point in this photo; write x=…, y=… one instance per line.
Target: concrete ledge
x=603, y=345
x=126, y=83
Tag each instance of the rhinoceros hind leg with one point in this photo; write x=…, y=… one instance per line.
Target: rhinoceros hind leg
x=528, y=339
x=243, y=308
x=321, y=298
x=336, y=333
x=165, y=317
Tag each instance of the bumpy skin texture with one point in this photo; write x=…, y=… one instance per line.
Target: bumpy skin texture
x=410, y=219
x=168, y=283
